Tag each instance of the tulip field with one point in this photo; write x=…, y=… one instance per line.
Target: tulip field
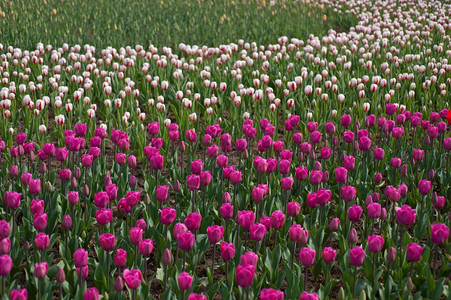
x=304, y=154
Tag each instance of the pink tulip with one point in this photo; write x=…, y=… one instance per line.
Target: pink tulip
x=92, y=294
x=349, y=163
x=72, y=197
x=107, y=241
x=146, y=247
x=162, y=193
x=357, y=255
x=133, y=278
x=196, y=167
x=414, y=252
x=245, y=275
x=301, y=173
x=184, y=281
x=193, y=220
x=334, y=223
x=49, y=149
x=424, y=187
x=193, y=182
x=287, y=183
x=277, y=219
x=405, y=215
x=40, y=270
x=40, y=221
x=246, y=219
x=271, y=294
x=257, y=232
x=226, y=211
x=328, y=254
x=354, y=213
x=296, y=233
x=6, y=264
x=5, y=246
x=375, y=243
x=19, y=294
x=440, y=233
x=341, y=175
x=135, y=235
x=235, y=177
x=101, y=199
x=205, y=178
x=307, y=296
x=120, y=259
x=35, y=186
x=307, y=256
x=80, y=258
x=348, y=193
x=5, y=229
x=374, y=210
x=132, y=198
x=42, y=241
x=215, y=233
x=67, y=222
x=104, y=216
x=293, y=209
x=249, y=258
x=194, y=296
x=185, y=241
x=315, y=177
x=227, y=250
x=153, y=128
x=168, y=215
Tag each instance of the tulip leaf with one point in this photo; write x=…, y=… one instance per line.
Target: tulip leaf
x=160, y=274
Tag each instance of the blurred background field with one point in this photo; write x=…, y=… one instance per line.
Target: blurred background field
x=103, y=23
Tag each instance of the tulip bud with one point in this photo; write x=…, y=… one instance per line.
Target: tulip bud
x=42, y=168
x=333, y=225
x=391, y=254
x=77, y=173
x=48, y=187
x=362, y=295
x=132, y=181
x=148, y=201
x=182, y=146
x=86, y=190
x=341, y=294
x=73, y=183
x=60, y=276
x=167, y=257
x=431, y=174
x=26, y=246
x=67, y=222
x=118, y=284
x=410, y=284
x=403, y=170
x=352, y=237
x=176, y=186
x=246, y=154
x=226, y=198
